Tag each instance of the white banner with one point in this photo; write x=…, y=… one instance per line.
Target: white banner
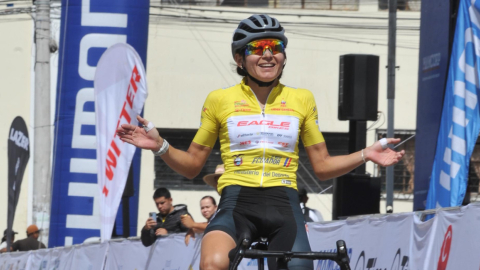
x=120, y=92
x=90, y=256
x=171, y=253
x=127, y=255
x=449, y=241
x=14, y=260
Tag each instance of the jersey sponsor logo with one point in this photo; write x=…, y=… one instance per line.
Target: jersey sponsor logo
x=283, y=175
x=241, y=103
x=243, y=110
x=263, y=142
x=283, y=144
x=263, y=131
x=269, y=160
x=287, y=162
x=237, y=160
x=277, y=175
x=268, y=123
x=283, y=103
x=244, y=135
x=204, y=109
x=286, y=182
x=246, y=143
x=283, y=109
x=247, y=172
x=267, y=134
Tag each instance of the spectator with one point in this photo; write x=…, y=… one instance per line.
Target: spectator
x=3, y=245
x=208, y=206
x=31, y=242
x=168, y=218
x=212, y=179
x=310, y=215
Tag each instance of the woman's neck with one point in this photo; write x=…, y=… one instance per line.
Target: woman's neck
x=261, y=92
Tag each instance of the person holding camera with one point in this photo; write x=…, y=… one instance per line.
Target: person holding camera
x=167, y=221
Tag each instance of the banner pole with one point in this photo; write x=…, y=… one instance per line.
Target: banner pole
x=392, y=42
x=42, y=122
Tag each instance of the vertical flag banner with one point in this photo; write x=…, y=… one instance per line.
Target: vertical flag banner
x=120, y=92
x=88, y=28
x=18, y=155
x=460, y=116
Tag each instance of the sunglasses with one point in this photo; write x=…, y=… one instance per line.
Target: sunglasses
x=259, y=47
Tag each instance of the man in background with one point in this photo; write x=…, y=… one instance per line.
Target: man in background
x=3, y=245
x=31, y=242
x=208, y=207
x=310, y=215
x=168, y=219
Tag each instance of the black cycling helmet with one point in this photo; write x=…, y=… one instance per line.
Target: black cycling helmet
x=257, y=27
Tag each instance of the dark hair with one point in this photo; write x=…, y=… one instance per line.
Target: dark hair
x=161, y=192
x=211, y=198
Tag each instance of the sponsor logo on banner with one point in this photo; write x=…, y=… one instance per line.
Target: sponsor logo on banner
x=445, y=251
x=399, y=262
x=98, y=24
x=119, y=97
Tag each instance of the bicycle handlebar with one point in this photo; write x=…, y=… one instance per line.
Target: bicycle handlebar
x=340, y=257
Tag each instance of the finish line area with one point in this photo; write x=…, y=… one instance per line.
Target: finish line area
x=449, y=240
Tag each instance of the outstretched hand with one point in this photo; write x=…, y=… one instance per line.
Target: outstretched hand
x=384, y=157
x=137, y=136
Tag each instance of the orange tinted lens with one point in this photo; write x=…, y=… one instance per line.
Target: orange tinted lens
x=258, y=47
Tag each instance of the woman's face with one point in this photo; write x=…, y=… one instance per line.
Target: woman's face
x=265, y=68
x=207, y=208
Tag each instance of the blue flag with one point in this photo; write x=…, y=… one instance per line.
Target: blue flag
x=460, y=116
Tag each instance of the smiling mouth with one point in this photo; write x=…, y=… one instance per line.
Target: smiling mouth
x=267, y=65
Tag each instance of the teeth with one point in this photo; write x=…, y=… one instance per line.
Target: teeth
x=267, y=65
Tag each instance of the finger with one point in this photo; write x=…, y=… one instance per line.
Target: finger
x=142, y=121
x=393, y=140
x=128, y=126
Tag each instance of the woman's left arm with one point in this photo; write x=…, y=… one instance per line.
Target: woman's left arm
x=328, y=167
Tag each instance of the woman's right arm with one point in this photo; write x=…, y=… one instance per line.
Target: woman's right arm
x=187, y=163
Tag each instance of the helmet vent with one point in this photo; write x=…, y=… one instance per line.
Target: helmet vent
x=238, y=36
x=255, y=21
x=264, y=19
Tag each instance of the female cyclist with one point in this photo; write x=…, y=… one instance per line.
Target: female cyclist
x=258, y=122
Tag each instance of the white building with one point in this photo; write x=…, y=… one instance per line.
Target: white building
x=189, y=56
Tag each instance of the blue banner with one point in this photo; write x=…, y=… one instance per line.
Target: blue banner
x=435, y=36
x=460, y=116
x=88, y=28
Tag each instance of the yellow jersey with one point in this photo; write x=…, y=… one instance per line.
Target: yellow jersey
x=259, y=147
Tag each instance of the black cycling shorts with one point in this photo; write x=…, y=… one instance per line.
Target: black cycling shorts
x=273, y=213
